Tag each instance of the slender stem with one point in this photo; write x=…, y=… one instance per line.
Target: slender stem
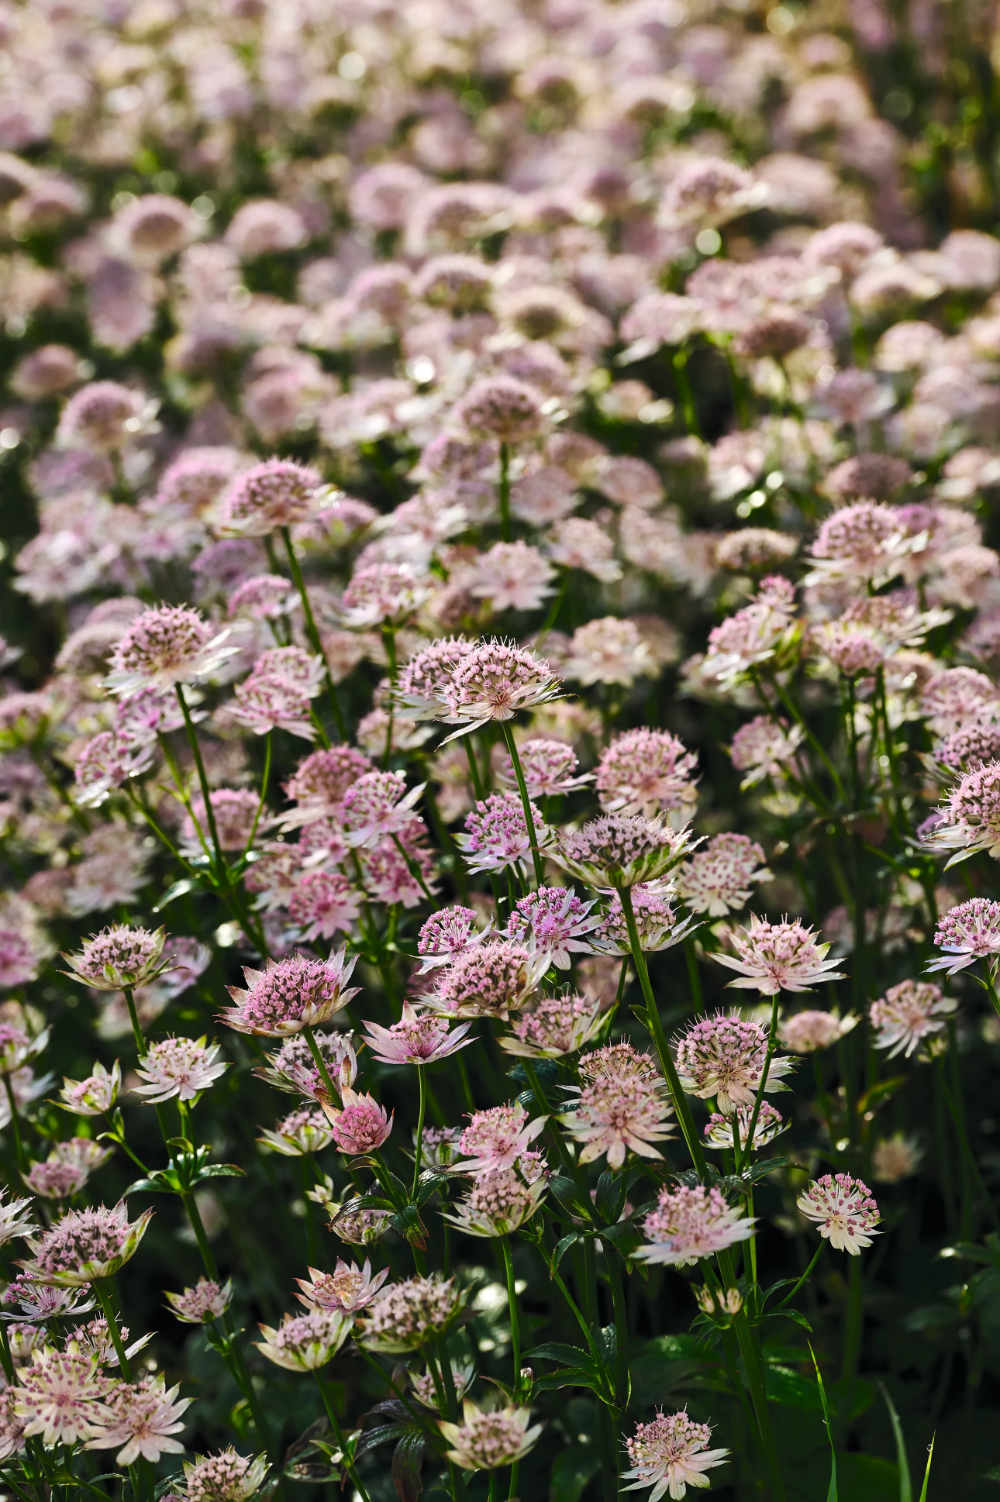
x=609, y=1453
x=855, y=1320
x=505, y=491
x=772, y=1039
x=515, y=1326
x=622, y=1383
x=313, y=633
x=679, y=359
x=389, y=639
x=694, y=979
x=263, y=791
x=477, y=785
x=19, y=1153
x=680, y=1100
x=790, y=1296
x=813, y=740
x=320, y=1062
x=335, y=1426
x=958, y=1120
x=221, y=871
x=420, y=1131
x=113, y=1331
x=529, y=817
x=554, y=609
x=140, y=1041
x=758, y=1396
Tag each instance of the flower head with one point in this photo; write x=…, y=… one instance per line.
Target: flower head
x=305, y=1342
x=299, y=1133
x=119, y=957
x=967, y=933
x=647, y=772
x=620, y=1106
x=15, y=1218
x=491, y=980
x=292, y=1067
x=669, y=1455
x=207, y=1300
x=896, y=1157
x=754, y=634
x=422, y=682
x=226, y=1477
x=909, y=1013
x=970, y=818
x=348, y=1289
x=724, y=1056
x=691, y=1223
x=67, y=1168
x=805, y=1032
x=609, y=650
x=496, y=1138
x=554, y=1026
x=553, y=922
x=383, y=594
x=498, y=1203
x=142, y=1417
x=496, y=835
x=494, y=681
x=85, y=1245
x=289, y=995
x=500, y=407
x=416, y=1039
x=717, y=879
x=447, y=934
x=485, y=1440
x=164, y=646
x=764, y=748
x=512, y=576
x=273, y=494
x=178, y=1067
x=773, y=957
x=845, y=1212
x=360, y=1124
x=721, y=1131
x=621, y=850
x=411, y=1314
x=655, y=921
x=61, y=1396
x=324, y=903
x=104, y=416
x=548, y=767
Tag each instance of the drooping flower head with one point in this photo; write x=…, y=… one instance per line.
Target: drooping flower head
x=411, y=1314
x=691, y=1223
x=360, y=1124
x=967, y=933
x=85, y=1245
x=291, y=994
x=486, y=1440
x=773, y=957
x=119, y=956
x=647, y=772
x=621, y=1106
x=909, y=1013
x=844, y=1210
x=669, y=1455
x=723, y=1056
x=164, y=646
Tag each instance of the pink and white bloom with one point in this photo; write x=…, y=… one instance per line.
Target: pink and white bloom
x=967, y=933
x=411, y=1314
x=447, y=934
x=61, y=1396
x=620, y=1107
x=207, y=1300
x=496, y=1138
x=513, y=576
x=486, y=1440
x=844, y=1210
x=416, y=1039
x=360, y=1124
x=549, y=768
x=322, y=904
x=718, y=878
x=668, y=1455
x=656, y=922
x=499, y=1202
x=691, y=1223
x=348, y=1289
x=808, y=1031
x=621, y=850
x=969, y=820
x=724, y=1056
x=178, y=1067
x=909, y=1013
x=306, y=1342
x=142, y=1417
x=85, y=1245
x=496, y=835
x=722, y=1131
x=554, y=1027
x=647, y=772
x=166, y=646
x=289, y=995
x=773, y=957
x=493, y=682
x=554, y=922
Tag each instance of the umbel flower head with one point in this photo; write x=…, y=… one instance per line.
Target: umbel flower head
x=498, y=1203
x=485, y=1439
x=496, y=1138
x=411, y=1314
x=967, y=933
x=555, y=1026
x=773, y=957
x=723, y=1131
x=718, y=879
x=647, y=772
x=622, y=850
x=970, y=818
x=656, y=922
x=226, y=1477
x=552, y=921
x=165, y=646
x=15, y=1218
x=808, y=1031
x=491, y=980
x=61, y=1395
x=275, y=493
x=119, y=957
x=348, y=1289
x=496, y=835
x=909, y=1013
x=360, y=1124
x=305, y=1342
x=416, y=1039
x=178, y=1067
x=723, y=1056
x=85, y=1245
x=291, y=994
x=142, y=1417
x=691, y=1223
x=207, y=1300
x=492, y=682
x=669, y=1455
x=844, y=1210
x=620, y=1107
x=94, y=1096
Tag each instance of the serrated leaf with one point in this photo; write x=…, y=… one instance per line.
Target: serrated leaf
x=407, y=1460
x=380, y=1436
x=408, y=1223
x=610, y=1198
x=574, y=1356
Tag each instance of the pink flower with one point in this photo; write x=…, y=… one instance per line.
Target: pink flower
x=225, y=1477
x=293, y=1068
x=669, y=1455
x=104, y=416
x=178, y=1068
x=486, y=1441
x=383, y=594
x=805, y=1032
x=348, y=1289
x=621, y=850
x=555, y=1026
x=378, y=804
x=447, y=934
x=863, y=542
x=496, y=835
x=553, y=922
x=416, y=1039
x=647, y=772
x=207, y=1300
x=411, y=1314
x=289, y=995
x=691, y=1223
x=609, y=650
x=499, y=1202
x=266, y=701
x=496, y=1138
x=621, y=1106
x=165, y=646
x=276, y=493
x=909, y=1013
x=499, y=407
x=420, y=689
x=773, y=957
x=306, y=1342
x=119, y=957
x=513, y=576
x=85, y=1245
x=61, y=1396
x=494, y=682
x=320, y=782
x=970, y=818
x=717, y=879
x=754, y=634
x=142, y=1417
x=300, y=1133
x=722, y=1131
x=323, y=903
x=361, y=1125
x=655, y=920
x=491, y=980
x=723, y=1056
x=968, y=932
x=548, y=767
x=844, y=1209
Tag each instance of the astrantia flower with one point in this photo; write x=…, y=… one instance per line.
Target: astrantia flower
x=360, y=1124
x=426, y=1392
x=181, y=1067
x=860, y=543
x=15, y=1218
x=656, y=922
x=276, y=493
x=420, y=688
x=717, y=879
x=484, y=1441
x=691, y=1223
x=496, y=1138
x=416, y=1039
x=723, y=1056
x=499, y=407
x=207, y=1300
x=493, y=682
x=299, y=1133
x=669, y=1455
x=896, y=1157
x=845, y=1212
x=621, y=850
x=348, y=1289
x=754, y=634
x=764, y=748
x=306, y=1342
x=773, y=957
x=67, y=1168
x=61, y=1396
x=323, y=903
x=383, y=594
x=512, y=576
x=356, y=1227
x=609, y=650
x=119, y=956
x=142, y=1417
x=491, y=980
x=721, y=1131
x=226, y=1477
x=647, y=772
x=970, y=818
x=548, y=767
x=620, y=1106
x=320, y=782
x=805, y=1032
x=909, y=1013
x=293, y=1068
x=411, y=1314
x=967, y=933
x=104, y=416
x=85, y=1245
x=166, y=645
x=552, y=922
x=498, y=1203
x=289, y=995
x=376, y=805
x=496, y=835
x=447, y=934
x=555, y=1026
x=266, y=701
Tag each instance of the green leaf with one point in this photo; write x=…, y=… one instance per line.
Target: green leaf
x=782, y=1385
x=905, y=1485
x=221, y=1171
x=574, y=1356
x=610, y=1199
x=408, y=1223
x=832, y=1494
x=927, y=1471
x=179, y=889
x=407, y=1459
x=568, y=1240
x=572, y=1470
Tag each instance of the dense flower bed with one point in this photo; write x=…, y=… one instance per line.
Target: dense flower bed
x=499, y=750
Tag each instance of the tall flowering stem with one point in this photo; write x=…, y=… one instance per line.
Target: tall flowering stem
x=107, y=1308
x=202, y=782
x=522, y=788
x=504, y=491
x=515, y=1326
x=331, y=1414
x=313, y=634
x=418, y=1146
x=664, y=1055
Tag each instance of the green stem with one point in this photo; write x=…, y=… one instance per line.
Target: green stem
x=813, y=740
x=313, y=633
x=335, y=1426
x=789, y=1297
x=505, y=491
x=680, y=1100
x=109, y=1314
x=758, y=1397
x=140, y=1041
x=679, y=359
x=263, y=791
x=694, y=979
x=515, y=1326
x=221, y=870
x=389, y=640
x=522, y=788
x=320, y=1063
x=772, y=1039
x=19, y=1153
x=554, y=610
x=622, y=1381
x=420, y=1131
x=855, y=1320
